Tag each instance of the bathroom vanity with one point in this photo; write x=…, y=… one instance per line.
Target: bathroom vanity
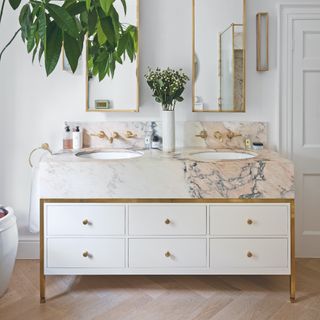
x=167, y=214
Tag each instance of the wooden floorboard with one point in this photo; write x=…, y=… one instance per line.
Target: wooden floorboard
x=162, y=297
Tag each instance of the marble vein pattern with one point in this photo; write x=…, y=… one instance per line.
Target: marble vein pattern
x=158, y=175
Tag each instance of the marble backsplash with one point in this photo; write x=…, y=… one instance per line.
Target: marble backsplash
x=186, y=133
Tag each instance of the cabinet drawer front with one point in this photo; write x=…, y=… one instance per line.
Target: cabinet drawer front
x=167, y=220
x=85, y=220
x=85, y=253
x=167, y=253
x=248, y=253
x=249, y=220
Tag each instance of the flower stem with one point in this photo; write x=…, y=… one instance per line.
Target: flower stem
x=2, y=9
x=8, y=44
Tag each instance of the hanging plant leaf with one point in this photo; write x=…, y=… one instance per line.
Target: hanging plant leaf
x=106, y=5
x=124, y=6
x=72, y=50
x=63, y=19
x=15, y=4
x=53, y=47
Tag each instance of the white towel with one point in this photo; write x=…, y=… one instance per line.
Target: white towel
x=34, y=205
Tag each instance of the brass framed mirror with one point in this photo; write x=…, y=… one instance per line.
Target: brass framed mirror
x=119, y=93
x=219, y=56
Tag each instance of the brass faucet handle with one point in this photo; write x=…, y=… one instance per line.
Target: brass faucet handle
x=218, y=135
x=101, y=134
x=115, y=135
x=130, y=134
x=203, y=134
x=230, y=135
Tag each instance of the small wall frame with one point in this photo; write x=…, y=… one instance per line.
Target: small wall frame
x=262, y=20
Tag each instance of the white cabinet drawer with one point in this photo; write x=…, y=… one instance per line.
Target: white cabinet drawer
x=167, y=220
x=249, y=220
x=167, y=253
x=248, y=253
x=85, y=253
x=85, y=220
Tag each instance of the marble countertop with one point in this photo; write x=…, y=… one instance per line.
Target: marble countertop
x=160, y=175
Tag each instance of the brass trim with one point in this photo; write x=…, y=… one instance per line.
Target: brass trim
x=259, y=15
x=44, y=146
x=136, y=108
x=42, y=276
x=244, y=24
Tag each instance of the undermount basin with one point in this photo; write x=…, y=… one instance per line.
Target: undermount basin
x=110, y=154
x=221, y=155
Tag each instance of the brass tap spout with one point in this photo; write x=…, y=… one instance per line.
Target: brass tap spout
x=203, y=134
x=129, y=135
x=102, y=135
x=230, y=135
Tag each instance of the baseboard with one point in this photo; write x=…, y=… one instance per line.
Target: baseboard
x=28, y=249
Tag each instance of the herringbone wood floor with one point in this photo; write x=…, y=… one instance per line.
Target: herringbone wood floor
x=162, y=297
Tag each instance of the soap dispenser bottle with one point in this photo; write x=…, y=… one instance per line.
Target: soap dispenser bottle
x=67, y=138
x=77, y=138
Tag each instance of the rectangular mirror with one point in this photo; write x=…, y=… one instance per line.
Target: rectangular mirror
x=219, y=57
x=119, y=93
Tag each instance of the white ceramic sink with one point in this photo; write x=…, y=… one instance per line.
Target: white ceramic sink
x=220, y=155
x=110, y=154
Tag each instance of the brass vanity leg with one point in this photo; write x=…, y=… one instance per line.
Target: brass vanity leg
x=292, y=253
x=42, y=276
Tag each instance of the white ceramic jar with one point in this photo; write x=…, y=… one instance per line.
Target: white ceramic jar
x=8, y=248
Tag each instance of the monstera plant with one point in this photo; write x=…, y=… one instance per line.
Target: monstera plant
x=46, y=26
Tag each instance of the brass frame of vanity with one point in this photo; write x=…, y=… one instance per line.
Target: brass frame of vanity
x=292, y=276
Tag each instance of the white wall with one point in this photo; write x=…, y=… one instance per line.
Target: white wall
x=34, y=108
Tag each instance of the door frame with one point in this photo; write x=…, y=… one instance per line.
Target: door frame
x=287, y=14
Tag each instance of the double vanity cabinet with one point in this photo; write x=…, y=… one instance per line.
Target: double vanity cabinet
x=167, y=236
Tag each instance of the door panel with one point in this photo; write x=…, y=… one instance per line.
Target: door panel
x=306, y=134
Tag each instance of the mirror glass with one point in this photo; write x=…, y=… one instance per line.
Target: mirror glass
x=120, y=92
x=219, y=55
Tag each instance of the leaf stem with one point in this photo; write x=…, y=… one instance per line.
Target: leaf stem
x=8, y=44
x=2, y=8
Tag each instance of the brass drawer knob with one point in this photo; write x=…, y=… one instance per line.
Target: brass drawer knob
x=85, y=222
x=85, y=254
x=168, y=254
x=167, y=221
x=249, y=254
x=249, y=222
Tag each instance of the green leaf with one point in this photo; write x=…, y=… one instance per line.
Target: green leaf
x=101, y=35
x=31, y=37
x=106, y=5
x=63, y=19
x=92, y=22
x=35, y=51
x=42, y=21
x=25, y=21
x=41, y=51
x=53, y=47
x=107, y=28
x=124, y=6
x=72, y=50
x=15, y=4
x=116, y=23
x=88, y=4
x=123, y=43
x=76, y=8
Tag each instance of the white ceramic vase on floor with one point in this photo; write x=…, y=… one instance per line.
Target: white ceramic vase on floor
x=8, y=249
x=168, y=131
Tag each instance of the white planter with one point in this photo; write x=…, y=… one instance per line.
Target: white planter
x=168, y=131
x=8, y=249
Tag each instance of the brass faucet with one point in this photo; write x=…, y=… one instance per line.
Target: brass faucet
x=102, y=135
x=203, y=134
x=230, y=135
x=129, y=134
x=218, y=135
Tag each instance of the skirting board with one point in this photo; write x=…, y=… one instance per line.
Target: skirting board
x=28, y=249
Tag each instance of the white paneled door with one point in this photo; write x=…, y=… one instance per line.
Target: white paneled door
x=306, y=132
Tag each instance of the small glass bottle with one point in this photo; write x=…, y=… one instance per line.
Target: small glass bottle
x=67, y=138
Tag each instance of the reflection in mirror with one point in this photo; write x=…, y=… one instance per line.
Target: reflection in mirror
x=219, y=55
x=119, y=93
